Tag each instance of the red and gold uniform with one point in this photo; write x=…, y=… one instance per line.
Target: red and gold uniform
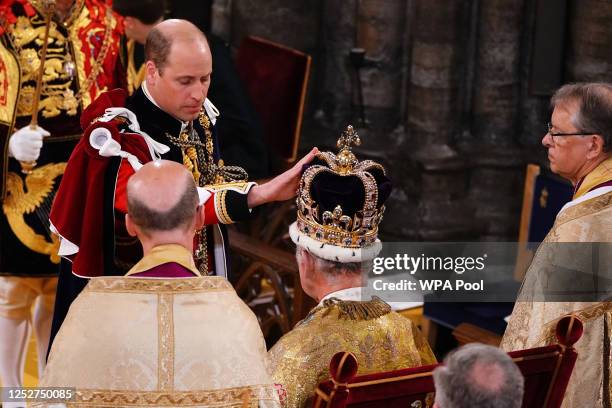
x=82, y=61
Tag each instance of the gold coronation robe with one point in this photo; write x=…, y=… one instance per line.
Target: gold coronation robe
x=380, y=339
x=587, y=218
x=162, y=342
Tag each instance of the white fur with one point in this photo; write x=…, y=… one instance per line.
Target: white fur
x=334, y=252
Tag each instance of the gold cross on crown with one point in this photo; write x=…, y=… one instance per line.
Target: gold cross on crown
x=348, y=137
x=346, y=160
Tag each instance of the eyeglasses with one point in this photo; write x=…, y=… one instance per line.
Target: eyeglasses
x=549, y=127
x=554, y=135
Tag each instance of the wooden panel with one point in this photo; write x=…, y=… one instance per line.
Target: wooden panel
x=468, y=333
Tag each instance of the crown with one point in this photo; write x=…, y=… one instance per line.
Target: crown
x=340, y=199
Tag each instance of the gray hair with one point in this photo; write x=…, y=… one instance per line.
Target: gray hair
x=594, y=108
x=478, y=376
x=333, y=268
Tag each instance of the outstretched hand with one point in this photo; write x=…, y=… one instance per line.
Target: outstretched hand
x=282, y=187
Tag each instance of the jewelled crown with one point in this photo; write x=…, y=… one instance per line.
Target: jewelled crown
x=340, y=199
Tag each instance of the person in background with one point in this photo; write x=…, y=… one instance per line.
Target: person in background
x=340, y=205
x=81, y=63
x=579, y=144
x=241, y=140
x=478, y=376
x=163, y=335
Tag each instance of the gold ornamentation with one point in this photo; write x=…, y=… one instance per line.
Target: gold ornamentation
x=300, y=359
x=236, y=397
x=356, y=310
x=58, y=90
x=335, y=219
x=27, y=39
x=88, y=89
x=175, y=285
x=585, y=315
x=190, y=157
x=134, y=77
x=346, y=158
x=333, y=227
x=165, y=342
x=39, y=184
x=430, y=399
x=221, y=209
x=198, y=158
x=200, y=253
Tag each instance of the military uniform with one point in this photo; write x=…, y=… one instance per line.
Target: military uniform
x=81, y=62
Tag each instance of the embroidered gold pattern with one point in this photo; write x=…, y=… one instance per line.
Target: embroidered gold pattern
x=221, y=208
x=175, y=285
x=583, y=209
x=300, y=359
x=585, y=315
x=88, y=89
x=228, y=397
x=134, y=77
x=198, y=158
x=18, y=202
x=165, y=324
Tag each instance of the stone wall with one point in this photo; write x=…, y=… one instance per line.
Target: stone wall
x=445, y=91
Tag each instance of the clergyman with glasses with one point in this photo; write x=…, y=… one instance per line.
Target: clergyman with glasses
x=579, y=143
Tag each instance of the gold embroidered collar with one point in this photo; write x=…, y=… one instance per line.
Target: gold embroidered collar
x=599, y=175
x=352, y=309
x=163, y=254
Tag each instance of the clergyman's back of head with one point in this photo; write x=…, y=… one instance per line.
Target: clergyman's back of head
x=162, y=196
x=478, y=376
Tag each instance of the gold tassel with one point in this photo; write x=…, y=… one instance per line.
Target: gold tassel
x=356, y=310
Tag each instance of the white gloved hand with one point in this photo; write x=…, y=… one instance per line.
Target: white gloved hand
x=25, y=144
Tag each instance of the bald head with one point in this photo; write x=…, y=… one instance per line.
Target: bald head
x=169, y=32
x=162, y=196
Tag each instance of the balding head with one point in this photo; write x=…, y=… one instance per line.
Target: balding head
x=477, y=375
x=161, y=38
x=162, y=196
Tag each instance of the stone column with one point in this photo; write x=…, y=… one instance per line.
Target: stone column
x=381, y=26
x=291, y=23
x=434, y=180
x=590, y=34
x=497, y=174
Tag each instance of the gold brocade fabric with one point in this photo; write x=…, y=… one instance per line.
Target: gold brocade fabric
x=599, y=175
x=161, y=342
x=300, y=359
x=532, y=322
